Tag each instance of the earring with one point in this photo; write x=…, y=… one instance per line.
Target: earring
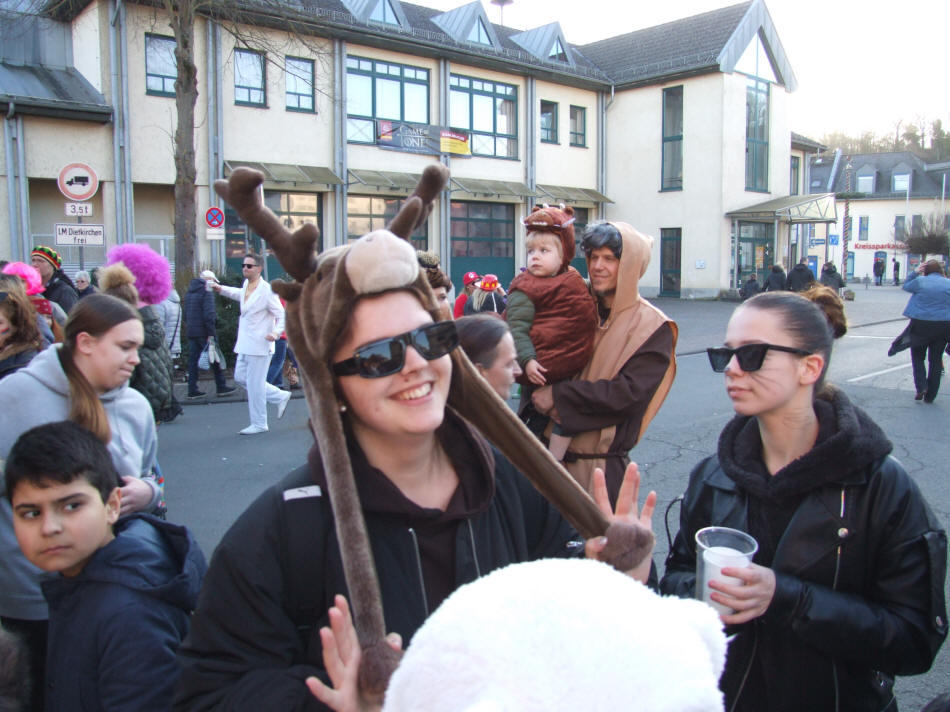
x=342, y=408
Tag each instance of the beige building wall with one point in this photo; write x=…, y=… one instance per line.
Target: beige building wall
x=562, y=163
x=90, y=45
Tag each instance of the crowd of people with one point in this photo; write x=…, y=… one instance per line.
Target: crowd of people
x=844, y=592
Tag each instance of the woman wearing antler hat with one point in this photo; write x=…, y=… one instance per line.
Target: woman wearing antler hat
x=402, y=500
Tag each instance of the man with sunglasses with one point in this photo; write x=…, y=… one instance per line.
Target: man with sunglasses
x=608, y=406
x=261, y=323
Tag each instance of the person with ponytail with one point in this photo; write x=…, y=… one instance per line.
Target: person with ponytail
x=846, y=589
x=85, y=380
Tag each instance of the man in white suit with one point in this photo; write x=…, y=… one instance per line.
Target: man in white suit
x=261, y=324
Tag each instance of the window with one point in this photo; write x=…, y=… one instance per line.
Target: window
x=757, y=135
x=479, y=34
x=579, y=126
x=900, y=227
x=672, y=178
x=366, y=213
x=383, y=90
x=557, y=52
x=863, y=228
x=299, y=78
x=548, y=122
x=794, y=176
x=161, y=69
x=866, y=184
x=383, y=12
x=483, y=229
x=917, y=225
x=901, y=182
x=249, y=78
x=489, y=111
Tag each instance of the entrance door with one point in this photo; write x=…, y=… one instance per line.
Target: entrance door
x=756, y=250
x=670, y=254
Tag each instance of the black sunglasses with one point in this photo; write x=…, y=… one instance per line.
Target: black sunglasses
x=246, y=266
x=749, y=356
x=387, y=356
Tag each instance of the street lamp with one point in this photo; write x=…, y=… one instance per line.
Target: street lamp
x=501, y=5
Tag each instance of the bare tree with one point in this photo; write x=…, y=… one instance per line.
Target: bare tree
x=929, y=236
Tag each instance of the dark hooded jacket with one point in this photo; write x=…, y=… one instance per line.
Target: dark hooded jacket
x=775, y=281
x=831, y=277
x=60, y=290
x=199, y=313
x=799, y=278
x=153, y=376
x=272, y=579
x=114, y=629
x=859, y=562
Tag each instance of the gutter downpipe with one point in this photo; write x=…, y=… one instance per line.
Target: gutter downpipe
x=24, y=189
x=118, y=183
x=530, y=159
x=602, y=107
x=16, y=239
x=339, y=144
x=445, y=197
x=126, y=133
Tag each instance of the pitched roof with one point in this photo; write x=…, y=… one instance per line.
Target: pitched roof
x=925, y=183
x=688, y=45
x=807, y=144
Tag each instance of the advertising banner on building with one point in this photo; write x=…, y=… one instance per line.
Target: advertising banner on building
x=421, y=138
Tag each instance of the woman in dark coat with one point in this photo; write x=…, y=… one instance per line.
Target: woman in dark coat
x=929, y=313
x=776, y=280
x=846, y=589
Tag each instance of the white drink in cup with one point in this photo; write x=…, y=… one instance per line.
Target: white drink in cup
x=716, y=549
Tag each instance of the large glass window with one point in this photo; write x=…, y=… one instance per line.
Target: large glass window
x=483, y=229
x=900, y=227
x=757, y=135
x=578, y=126
x=249, y=76
x=299, y=78
x=548, y=122
x=488, y=111
x=161, y=69
x=794, y=175
x=866, y=184
x=672, y=139
x=479, y=33
x=383, y=90
x=901, y=182
x=365, y=213
x=863, y=221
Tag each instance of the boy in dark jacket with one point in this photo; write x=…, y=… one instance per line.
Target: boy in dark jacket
x=200, y=318
x=120, y=606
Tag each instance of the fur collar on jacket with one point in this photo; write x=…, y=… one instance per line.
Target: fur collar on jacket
x=848, y=441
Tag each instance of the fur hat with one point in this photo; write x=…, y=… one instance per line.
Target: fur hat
x=118, y=281
x=319, y=306
x=48, y=254
x=558, y=221
x=28, y=273
x=153, y=276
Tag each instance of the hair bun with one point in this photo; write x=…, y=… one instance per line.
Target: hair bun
x=827, y=299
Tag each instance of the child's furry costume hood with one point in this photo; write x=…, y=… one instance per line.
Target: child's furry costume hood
x=319, y=304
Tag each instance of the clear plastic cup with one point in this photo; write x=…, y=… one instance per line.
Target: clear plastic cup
x=717, y=548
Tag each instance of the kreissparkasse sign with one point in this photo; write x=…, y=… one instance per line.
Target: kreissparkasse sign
x=421, y=138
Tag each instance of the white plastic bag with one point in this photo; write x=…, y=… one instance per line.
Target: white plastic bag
x=209, y=355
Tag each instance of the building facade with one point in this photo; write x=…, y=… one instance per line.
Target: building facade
x=676, y=129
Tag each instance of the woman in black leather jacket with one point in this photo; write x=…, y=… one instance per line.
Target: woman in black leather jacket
x=846, y=589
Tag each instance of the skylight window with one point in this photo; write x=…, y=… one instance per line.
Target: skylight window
x=479, y=33
x=383, y=12
x=557, y=52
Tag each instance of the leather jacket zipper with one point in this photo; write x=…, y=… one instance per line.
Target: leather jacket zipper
x=422, y=580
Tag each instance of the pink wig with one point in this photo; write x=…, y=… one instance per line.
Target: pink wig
x=153, y=277
x=28, y=273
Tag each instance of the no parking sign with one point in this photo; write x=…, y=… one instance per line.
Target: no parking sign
x=214, y=217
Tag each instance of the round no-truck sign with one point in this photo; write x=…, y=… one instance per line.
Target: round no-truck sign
x=78, y=181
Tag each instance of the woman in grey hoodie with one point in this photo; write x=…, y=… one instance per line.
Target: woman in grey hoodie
x=84, y=379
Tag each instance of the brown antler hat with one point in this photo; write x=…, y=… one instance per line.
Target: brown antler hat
x=319, y=303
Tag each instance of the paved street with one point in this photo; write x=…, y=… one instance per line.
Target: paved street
x=213, y=473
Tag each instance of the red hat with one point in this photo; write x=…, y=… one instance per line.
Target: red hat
x=42, y=305
x=48, y=254
x=489, y=283
x=469, y=278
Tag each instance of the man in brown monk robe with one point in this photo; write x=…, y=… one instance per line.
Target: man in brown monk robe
x=608, y=407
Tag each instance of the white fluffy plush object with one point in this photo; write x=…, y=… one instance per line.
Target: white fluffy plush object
x=562, y=635
x=380, y=261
